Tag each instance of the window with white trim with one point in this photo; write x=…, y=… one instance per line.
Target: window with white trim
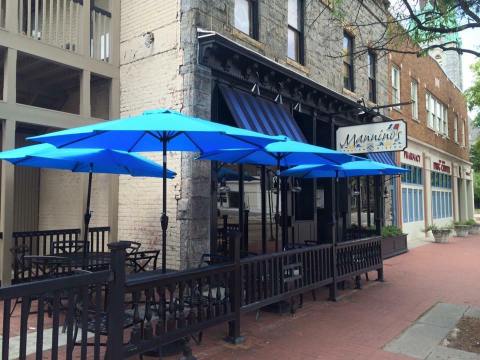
x=396, y=86
x=436, y=115
x=428, y=103
x=414, y=98
x=441, y=195
x=445, y=122
x=412, y=194
x=464, y=133
x=455, y=129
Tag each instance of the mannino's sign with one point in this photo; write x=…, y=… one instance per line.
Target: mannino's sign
x=375, y=137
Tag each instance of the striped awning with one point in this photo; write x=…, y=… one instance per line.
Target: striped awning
x=254, y=113
x=383, y=157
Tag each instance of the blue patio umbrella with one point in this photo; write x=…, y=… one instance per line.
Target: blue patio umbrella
x=354, y=168
x=281, y=154
x=85, y=160
x=159, y=130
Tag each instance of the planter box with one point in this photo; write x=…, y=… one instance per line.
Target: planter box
x=474, y=230
x=441, y=236
x=394, y=245
x=462, y=230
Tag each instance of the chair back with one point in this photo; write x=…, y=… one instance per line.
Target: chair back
x=142, y=261
x=67, y=246
x=134, y=247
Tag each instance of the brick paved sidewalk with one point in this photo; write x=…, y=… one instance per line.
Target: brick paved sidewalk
x=363, y=321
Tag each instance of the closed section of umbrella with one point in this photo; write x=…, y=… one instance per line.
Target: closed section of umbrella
x=382, y=157
x=257, y=114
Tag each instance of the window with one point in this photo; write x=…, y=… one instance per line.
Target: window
x=412, y=194
x=436, y=115
x=348, y=76
x=414, y=99
x=441, y=195
x=246, y=17
x=445, y=121
x=455, y=129
x=372, y=76
x=295, y=30
x=396, y=86
x=464, y=134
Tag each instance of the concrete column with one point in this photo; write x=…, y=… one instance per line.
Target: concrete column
x=85, y=105
x=6, y=203
x=10, y=77
x=470, y=201
x=84, y=40
x=115, y=34
x=455, y=193
x=428, y=190
x=462, y=200
x=11, y=18
x=465, y=201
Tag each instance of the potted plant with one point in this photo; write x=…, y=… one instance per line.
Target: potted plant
x=461, y=229
x=440, y=234
x=394, y=241
x=474, y=227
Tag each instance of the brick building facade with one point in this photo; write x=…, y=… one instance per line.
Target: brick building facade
x=439, y=189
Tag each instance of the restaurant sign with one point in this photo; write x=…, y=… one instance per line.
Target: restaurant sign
x=375, y=137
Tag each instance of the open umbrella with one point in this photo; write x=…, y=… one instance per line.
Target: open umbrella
x=281, y=154
x=85, y=160
x=159, y=130
x=354, y=168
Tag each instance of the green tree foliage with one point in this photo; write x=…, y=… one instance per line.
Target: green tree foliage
x=473, y=94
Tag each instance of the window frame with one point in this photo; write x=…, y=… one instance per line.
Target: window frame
x=455, y=129
x=350, y=64
x=414, y=98
x=299, y=32
x=253, y=19
x=395, y=84
x=372, y=78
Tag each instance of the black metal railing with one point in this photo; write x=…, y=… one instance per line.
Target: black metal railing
x=274, y=277
x=359, y=233
x=98, y=238
x=359, y=256
x=49, y=305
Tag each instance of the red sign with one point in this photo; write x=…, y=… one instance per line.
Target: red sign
x=440, y=166
x=411, y=156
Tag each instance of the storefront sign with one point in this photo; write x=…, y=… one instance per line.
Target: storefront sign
x=412, y=156
x=441, y=166
x=376, y=137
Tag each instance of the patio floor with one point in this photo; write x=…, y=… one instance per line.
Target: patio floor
x=363, y=321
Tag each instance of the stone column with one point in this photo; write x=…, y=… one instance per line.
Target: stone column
x=428, y=190
x=455, y=192
x=470, y=198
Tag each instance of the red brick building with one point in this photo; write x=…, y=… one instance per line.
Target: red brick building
x=438, y=189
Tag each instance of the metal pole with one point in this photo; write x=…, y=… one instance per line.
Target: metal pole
x=87, y=216
x=164, y=217
x=277, y=206
x=241, y=207
x=263, y=191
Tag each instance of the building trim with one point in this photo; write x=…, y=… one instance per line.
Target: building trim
x=410, y=138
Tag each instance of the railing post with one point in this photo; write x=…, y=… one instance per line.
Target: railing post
x=234, y=336
x=333, y=287
x=116, y=295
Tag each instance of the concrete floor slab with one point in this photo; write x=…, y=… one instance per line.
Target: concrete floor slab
x=444, y=353
x=418, y=341
x=443, y=315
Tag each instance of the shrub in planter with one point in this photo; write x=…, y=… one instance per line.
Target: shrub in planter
x=394, y=241
x=474, y=227
x=391, y=231
x=461, y=229
x=440, y=235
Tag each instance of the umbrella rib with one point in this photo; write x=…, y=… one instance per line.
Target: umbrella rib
x=193, y=142
x=137, y=141
x=245, y=140
x=95, y=133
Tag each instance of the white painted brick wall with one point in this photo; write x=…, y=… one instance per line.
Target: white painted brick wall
x=149, y=78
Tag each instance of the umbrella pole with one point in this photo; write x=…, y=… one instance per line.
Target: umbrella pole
x=164, y=217
x=87, y=216
x=263, y=190
x=277, y=205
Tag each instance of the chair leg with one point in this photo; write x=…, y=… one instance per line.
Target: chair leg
x=358, y=282
x=366, y=276
x=314, y=295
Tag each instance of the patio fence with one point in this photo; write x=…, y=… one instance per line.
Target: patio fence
x=53, y=242
x=166, y=307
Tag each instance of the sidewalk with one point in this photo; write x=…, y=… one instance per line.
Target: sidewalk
x=362, y=322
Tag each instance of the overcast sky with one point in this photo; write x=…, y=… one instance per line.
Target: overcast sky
x=470, y=40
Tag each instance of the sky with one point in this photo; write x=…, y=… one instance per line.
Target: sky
x=470, y=40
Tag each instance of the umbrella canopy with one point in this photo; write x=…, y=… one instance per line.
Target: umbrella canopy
x=354, y=168
x=84, y=160
x=148, y=132
x=159, y=130
x=284, y=153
